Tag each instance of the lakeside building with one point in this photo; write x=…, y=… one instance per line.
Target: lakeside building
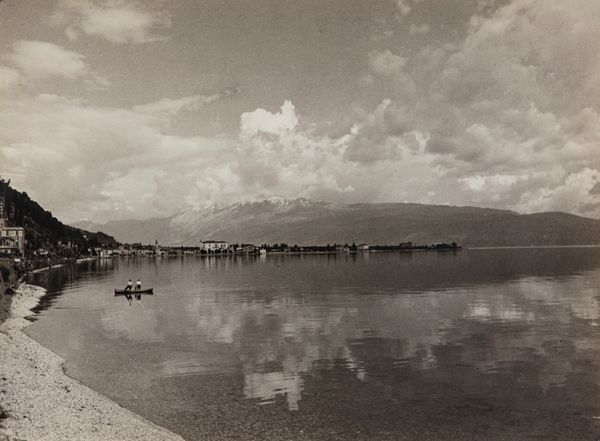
x=12, y=239
x=246, y=248
x=8, y=246
x=212, y=246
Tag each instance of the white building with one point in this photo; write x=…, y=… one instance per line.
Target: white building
x=214, y=245
x=12, y=239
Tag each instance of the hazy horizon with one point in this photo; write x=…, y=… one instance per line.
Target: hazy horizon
x=124, y=109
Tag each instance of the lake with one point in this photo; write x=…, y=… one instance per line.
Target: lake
x=489, y=344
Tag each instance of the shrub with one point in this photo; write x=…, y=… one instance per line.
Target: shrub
x=5, y=272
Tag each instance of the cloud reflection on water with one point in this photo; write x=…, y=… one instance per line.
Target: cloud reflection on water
x=279, y=334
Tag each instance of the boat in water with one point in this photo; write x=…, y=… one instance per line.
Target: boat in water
x=122, y=292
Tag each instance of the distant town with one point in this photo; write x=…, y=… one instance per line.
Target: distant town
x=222, y=248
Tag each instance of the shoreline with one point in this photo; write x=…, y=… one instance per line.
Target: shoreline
x=46, y=268
x=41, y=402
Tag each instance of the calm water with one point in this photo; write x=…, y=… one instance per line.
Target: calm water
x=472, y=345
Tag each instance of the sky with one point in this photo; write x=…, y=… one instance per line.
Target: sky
x=120, y=109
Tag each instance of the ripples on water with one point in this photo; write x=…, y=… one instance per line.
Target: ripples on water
x=491, y=344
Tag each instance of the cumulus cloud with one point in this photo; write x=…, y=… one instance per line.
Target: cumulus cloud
x=509, y=114
x=40, y=59
x=394, y=68
x=118, y=21
x=383, y=134
x=276, y=157
x=303, y=161
x=261, y=120
x=386, y=63
x=570, y=193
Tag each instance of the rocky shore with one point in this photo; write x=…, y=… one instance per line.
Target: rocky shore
x=39, y=402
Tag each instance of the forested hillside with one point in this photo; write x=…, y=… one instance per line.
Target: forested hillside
x=42, y=229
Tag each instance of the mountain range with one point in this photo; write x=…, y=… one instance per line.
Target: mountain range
x=305, y=222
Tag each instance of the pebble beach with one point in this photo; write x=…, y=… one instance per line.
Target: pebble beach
x=40, y=402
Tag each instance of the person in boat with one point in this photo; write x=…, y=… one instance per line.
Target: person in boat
x=129, y=285
x=138, y=285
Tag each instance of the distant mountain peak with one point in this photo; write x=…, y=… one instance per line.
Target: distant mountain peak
x=283, y=201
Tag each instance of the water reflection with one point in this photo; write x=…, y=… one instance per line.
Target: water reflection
x=69, y=277
x=438, y=338
x=129, y=296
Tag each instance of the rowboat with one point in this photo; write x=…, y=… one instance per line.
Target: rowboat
x=120, y=292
